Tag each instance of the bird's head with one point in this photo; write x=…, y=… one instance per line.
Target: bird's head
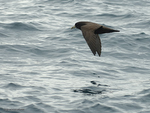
x=78, y=25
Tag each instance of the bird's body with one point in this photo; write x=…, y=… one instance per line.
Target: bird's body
x=90, y=32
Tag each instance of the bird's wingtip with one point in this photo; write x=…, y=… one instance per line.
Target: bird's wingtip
x=117, y=31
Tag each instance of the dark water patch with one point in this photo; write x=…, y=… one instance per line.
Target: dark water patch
x=21, y=26
x=90, y=90
x=13, y=86
x=101, y=85
x=95, y=83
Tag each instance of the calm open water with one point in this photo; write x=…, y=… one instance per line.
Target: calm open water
x=45, y=67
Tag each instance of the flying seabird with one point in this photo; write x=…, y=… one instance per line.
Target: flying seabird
x=90, y=32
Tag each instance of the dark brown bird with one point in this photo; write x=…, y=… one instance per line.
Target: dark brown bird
x=90, y=32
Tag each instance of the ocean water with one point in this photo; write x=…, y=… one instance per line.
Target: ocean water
x=46, y=67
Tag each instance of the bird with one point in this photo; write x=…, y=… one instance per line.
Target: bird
x=90, y=32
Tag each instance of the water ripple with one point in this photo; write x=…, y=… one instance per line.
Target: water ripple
x=20, y=26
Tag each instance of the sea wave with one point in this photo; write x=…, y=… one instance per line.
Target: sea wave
x=20, y=26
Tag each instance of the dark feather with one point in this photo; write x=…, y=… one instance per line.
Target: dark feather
x=90, y=32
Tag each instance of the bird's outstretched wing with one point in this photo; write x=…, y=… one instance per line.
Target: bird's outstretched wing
x=93, y=41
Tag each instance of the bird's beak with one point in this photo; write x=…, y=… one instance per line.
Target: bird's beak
x=73, y=27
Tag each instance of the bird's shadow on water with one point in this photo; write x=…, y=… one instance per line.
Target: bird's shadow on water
x=92, y=90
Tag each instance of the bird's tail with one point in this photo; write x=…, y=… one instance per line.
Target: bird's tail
x=103, y=29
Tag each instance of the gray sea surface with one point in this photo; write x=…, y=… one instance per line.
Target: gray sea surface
x=47, y=67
